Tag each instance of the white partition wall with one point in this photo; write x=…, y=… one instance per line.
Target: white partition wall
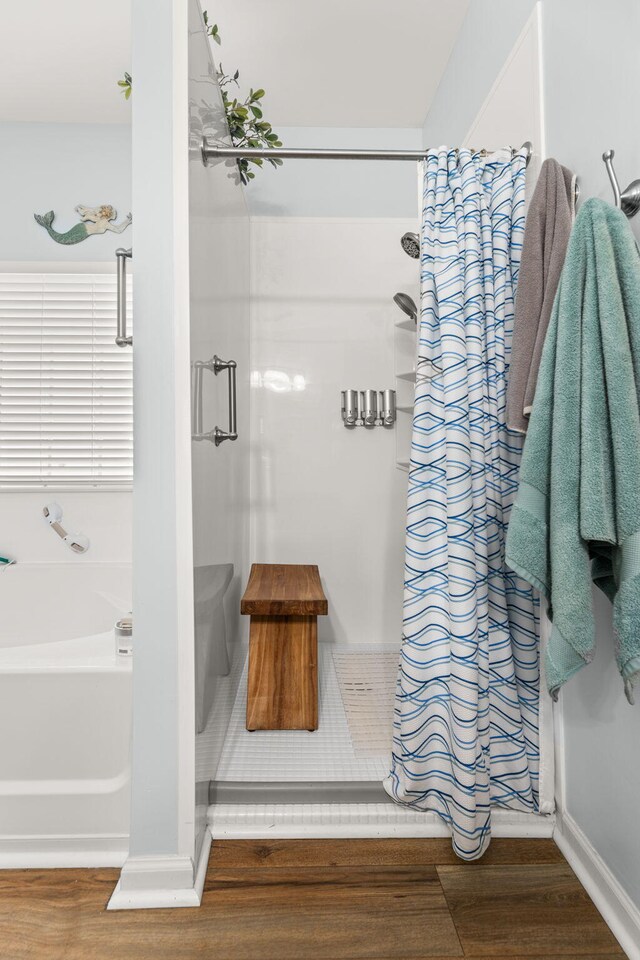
x=191, y=302
x=160, y=867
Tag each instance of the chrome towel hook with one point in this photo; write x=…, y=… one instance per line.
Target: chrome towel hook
x=626, y=200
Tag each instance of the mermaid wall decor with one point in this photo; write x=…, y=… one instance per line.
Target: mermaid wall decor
x=93, y=221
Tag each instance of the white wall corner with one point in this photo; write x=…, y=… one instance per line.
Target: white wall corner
x=153, y=882
x=618, y=910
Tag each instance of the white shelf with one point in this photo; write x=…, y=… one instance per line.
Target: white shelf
x=405, y=344
x=407, y=324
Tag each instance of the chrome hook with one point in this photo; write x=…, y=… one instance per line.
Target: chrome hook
x=626, y=200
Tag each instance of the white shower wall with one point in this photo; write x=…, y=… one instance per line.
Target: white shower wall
x=323, y=321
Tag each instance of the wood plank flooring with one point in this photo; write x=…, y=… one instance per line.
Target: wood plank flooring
x=321, y=900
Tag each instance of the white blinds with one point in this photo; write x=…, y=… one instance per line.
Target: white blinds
x=66, y=389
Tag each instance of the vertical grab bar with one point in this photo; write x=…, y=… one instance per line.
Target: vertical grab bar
x=196, y=425
x=232, y=433
x=122, y=339
x=216, y=365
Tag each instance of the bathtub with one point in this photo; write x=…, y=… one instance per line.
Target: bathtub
x=65, y=715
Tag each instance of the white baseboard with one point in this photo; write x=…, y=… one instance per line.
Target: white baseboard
x=203, y=863
x=47, y=852
x=148, y=883
x=617, y=909
x=155, y=899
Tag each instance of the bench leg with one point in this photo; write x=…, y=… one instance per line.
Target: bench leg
x=282, y=691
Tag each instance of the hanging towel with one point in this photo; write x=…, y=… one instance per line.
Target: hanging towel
x=577, y=513
x=546, y=235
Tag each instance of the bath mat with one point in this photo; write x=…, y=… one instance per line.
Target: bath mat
x=368, y=686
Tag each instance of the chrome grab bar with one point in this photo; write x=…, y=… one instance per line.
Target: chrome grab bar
x=216, y=365
x=121, y=298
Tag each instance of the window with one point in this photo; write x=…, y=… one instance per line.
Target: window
x=66, y=389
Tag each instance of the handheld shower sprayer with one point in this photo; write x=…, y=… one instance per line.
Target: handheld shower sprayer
x=407, y=305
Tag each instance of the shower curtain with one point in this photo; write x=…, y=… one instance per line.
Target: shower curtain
x=466, y=714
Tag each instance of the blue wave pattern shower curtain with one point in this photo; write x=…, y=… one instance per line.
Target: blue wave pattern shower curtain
x=466, y=717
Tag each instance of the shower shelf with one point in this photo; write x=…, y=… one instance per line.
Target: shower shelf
x=406, y=325
x=405, y=337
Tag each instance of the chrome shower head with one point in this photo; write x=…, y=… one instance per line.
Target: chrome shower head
x=411, y=245
x=407, y=305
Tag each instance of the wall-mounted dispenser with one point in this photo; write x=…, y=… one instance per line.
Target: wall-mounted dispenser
x=350, y=407
x=387, y=407
x=368, y=408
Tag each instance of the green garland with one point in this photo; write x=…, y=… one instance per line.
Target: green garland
x=247, y=126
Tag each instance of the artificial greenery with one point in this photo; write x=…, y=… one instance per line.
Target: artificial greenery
x=247, y=126
x=126, y=85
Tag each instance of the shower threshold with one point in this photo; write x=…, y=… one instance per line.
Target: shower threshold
x=298, y=791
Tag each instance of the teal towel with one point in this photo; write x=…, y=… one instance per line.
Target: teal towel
x=577, y=514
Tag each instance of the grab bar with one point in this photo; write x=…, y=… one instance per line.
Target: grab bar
x=217, y=436
x=76, y=541
x=121, y=299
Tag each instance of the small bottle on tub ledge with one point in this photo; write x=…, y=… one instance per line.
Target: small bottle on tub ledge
x=123, y=631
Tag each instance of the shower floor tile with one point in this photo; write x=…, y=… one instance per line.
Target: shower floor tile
x=330, y=753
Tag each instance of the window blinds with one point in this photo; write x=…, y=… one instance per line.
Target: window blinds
x=66, y=389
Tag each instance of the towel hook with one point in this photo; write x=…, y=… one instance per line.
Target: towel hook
x=626, y=200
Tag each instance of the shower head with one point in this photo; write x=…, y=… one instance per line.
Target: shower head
x=411, y=245
x=407, y=305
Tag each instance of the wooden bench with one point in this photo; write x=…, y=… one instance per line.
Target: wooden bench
x=284, y=602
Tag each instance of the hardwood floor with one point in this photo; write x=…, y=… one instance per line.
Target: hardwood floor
x=321, y=900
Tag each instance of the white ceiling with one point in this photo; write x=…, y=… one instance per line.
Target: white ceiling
x=334, y=63
x=61, y=60
x=339, y=63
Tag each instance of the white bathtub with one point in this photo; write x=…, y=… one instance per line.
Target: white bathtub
x=65, y=715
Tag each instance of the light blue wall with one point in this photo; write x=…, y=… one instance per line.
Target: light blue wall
x=485, y=40
x=338, y=188
x=55, y=166
x=591, y=70
x=592, y=73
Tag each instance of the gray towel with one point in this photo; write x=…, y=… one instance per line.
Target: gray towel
x=546, y=236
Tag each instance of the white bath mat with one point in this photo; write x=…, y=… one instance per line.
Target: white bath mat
x=368, y=686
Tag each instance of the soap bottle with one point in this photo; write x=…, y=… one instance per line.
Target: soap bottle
x=123, y=631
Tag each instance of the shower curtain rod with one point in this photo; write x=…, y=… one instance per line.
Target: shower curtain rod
x=214, y=152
